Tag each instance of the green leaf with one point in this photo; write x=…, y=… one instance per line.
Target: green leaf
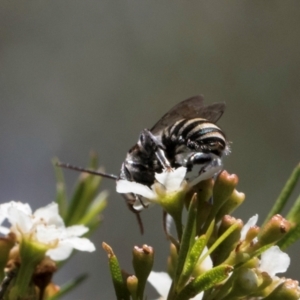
x=191, y=260
x=204, y=282
x=284, y=196
x=294, y=214
x=83, y=196
x=215, y=245
x=69, y=286
x=96, y=207
x=186, y=241
x=74, y=213
x=116, y=274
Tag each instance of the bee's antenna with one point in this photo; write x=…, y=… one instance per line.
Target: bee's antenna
x=68, y=166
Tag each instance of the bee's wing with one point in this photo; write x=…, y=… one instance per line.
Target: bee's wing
x=189, y=109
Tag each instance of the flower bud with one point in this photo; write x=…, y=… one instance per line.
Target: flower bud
x=142, y=263
x=234, y=201
x=224, y=249
x=203, y=191
x=273, y=231
x=132, y=285
x=51, y=290
x=251, y=234
x=172, y=260
x=288, y=290
x=246, y=282
x=249, y=280
x=223, y=188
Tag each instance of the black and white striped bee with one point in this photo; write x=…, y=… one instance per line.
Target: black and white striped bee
x=185, y=136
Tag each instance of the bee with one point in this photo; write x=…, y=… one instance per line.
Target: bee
x=187, y=135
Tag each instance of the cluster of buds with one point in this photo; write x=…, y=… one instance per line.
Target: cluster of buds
x=214, y=256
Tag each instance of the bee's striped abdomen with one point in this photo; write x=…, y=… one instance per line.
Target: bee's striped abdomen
x=197, y=134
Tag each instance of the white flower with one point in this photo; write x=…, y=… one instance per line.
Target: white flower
x=274, y=261
x=168, y=182
x=161, y=281
x=46, y=227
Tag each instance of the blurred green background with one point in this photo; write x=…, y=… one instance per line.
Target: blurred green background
x=82, y=75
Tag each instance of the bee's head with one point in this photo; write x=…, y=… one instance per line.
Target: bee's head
x=145, y=142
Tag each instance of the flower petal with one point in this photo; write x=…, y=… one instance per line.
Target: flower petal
x=4, y=230
x=161, y=281
x=171, y=179
x=207, y=264
x=251, y=222
x=46, y=234
x=125, y=186
x=49, y=214
x=19, y=218
x=61, y=252
x=274, y=261
x=5, y=207
x=81, y=244
x=75, y=230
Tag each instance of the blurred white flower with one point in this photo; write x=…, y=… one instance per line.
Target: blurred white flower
x=274, y=261
x=168, y=182
x=161, y=281
x=46, y=227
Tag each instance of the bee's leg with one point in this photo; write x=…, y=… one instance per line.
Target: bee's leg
x=129, y=202
x=209, y=170
x=198, y=158
x=158, y=148
x=160, y=154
